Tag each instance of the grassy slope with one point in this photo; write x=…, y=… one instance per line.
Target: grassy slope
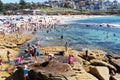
x=58, y=10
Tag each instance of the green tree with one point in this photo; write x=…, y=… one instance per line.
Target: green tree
x=22, y=4
x=1, y=6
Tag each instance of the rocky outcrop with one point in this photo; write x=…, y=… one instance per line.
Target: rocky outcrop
x=3, y=52
x=60, y=50
x=78, y=67
x=17, y=38
x=59, y=69
x=100, y=72
x=54, y=50
x=114, y=59
x=7, y=44
x=85, y=76
x=93, y=54
x=56, y=69
x=96, y=62
x=115, y=77
x=10, y=42
x=116, y=63
x=114, y=56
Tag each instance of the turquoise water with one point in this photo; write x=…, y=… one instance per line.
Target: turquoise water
x=79, y=36
x=99, y=20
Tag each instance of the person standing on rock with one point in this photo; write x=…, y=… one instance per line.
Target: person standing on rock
x=36, y=52
x=86, y=54
x=37, y=43
x=0, y=63
x=66, y=46
x=25, y=72
x=9, y=56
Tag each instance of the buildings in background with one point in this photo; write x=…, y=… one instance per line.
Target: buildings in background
x=85, y=4
x=89, y=5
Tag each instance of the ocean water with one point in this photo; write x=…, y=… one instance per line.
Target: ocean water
x=94, y=33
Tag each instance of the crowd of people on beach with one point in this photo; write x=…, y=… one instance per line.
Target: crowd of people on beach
x=20, y=24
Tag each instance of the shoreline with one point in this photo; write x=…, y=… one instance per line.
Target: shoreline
x=68, y=19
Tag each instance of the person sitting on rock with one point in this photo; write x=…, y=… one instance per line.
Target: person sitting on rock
x=71, y=60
